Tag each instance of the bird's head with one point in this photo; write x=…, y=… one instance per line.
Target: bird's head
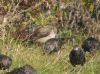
x=55, y=23
x=76, y=48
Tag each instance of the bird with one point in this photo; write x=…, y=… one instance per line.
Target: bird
x=44, y=33
x=53, y=45
x=5, y=62
x=91, y=45
x=77, y=56
x=26, y=69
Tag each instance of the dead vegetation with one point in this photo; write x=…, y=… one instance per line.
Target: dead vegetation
x=75, y=16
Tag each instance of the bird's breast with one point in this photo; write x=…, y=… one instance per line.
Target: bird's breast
x=44, y=39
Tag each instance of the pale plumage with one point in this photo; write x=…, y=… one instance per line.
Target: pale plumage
x=44, y=33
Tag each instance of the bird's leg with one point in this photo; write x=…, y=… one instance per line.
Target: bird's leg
x=59, y=52
x=5, y=71
x=74, y=69
x=82, y=64
x=93, y=53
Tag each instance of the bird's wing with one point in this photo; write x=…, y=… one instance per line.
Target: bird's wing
x=39, y=33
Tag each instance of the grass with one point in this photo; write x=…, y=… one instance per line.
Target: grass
x=48, y=64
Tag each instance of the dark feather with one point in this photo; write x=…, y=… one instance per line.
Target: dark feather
x=77, y=57
x=91, y=45
x=53, y=45
x=26, y=69
x=5, y=62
